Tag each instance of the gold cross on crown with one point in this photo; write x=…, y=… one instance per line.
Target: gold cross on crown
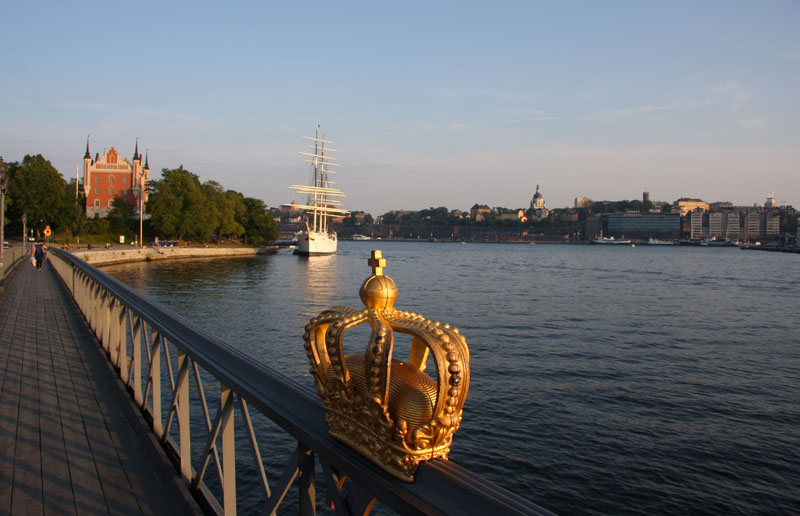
x=377, y=262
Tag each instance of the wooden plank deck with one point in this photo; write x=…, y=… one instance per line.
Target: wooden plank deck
x=71, y=440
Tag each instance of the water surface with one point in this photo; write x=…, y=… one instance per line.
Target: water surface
x=605, y=380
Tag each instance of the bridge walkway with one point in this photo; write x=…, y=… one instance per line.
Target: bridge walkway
x=71, y=439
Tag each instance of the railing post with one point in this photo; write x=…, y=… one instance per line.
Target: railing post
x=136, y=358
x=122, y=339
x=155, y=382
x=228, y=451
x=105, y=316
x=307, y=483
x=91, y=302
x=182, y=399
x=113, y=309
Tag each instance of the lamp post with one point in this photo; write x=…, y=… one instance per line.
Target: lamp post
x=141, y=209
x=24, y=233
x=3, y=183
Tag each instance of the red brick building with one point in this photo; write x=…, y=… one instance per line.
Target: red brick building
x=111, y=176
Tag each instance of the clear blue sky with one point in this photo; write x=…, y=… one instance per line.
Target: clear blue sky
x=429, y=103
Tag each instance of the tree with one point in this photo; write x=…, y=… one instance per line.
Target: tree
x=121, y=215
x=176, y=204
x=258, y=222
x=390, y=217
x=36, y=189
x=77, y=211
x=231, y=211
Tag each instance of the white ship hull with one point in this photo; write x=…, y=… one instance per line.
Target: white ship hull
x=315, y=243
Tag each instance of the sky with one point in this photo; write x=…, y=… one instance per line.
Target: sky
x=429, y=103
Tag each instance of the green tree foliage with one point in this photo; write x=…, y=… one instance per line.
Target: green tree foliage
x=36, y=189
x=176, y=204
x=121, y=217
x=183, y=208
x=77, y=215
x=98, y=226
x=258, y=222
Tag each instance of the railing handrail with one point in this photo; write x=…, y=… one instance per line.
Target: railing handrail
x=441, y=486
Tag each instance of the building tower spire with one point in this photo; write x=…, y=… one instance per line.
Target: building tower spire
x=136, y=152
x=88, y=155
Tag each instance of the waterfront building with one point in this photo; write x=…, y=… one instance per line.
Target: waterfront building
x=645, y=202
x=684, y=205
x=752, y=225
x=538, y=209
x=479, y=211
x=733, y=227
x=720, y=205
x=512, y=215
x=722, y=225
x=717, y=224
x=665, y=226
x=112, y=176
x=582, y=202
x=772, y=223
x=698, y=230
x=290, y=208
x=747, y=224
x=770, y=202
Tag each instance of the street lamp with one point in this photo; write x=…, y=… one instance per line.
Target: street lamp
x=3, y=183
x=141, y=209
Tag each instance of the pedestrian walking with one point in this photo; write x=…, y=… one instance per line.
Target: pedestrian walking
x=39, y=251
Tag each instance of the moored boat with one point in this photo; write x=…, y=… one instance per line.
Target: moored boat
x=610, y=241
x=317, y=238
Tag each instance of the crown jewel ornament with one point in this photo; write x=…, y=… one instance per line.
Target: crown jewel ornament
x=390, y=411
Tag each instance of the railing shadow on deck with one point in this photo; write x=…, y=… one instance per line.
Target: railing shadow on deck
x=151, y=347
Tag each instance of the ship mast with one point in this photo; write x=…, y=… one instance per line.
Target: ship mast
x=321, y=195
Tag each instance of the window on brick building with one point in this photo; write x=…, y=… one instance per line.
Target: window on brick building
x=110, y=179
x=110, y=190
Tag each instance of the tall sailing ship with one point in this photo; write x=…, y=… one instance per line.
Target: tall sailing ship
x=323, y=201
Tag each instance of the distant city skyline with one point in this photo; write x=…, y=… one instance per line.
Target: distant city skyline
x=430, y=105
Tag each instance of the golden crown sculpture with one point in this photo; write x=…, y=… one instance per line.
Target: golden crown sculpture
x=388, y=410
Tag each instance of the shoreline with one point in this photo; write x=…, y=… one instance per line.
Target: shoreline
x=100, y=257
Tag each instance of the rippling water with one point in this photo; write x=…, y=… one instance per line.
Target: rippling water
x=605, y=380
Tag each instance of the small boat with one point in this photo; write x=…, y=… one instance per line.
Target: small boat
x=655, y=241
x=360, y=237
x=317, y=238
x=714, y=242
x=610, y=241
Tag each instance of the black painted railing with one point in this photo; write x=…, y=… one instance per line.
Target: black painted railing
x=151, y=347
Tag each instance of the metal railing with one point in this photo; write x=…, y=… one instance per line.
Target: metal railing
x=11, y=257
x=157, y=354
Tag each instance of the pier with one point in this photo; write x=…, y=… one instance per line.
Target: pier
x=71, y=441
x=112, y=405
